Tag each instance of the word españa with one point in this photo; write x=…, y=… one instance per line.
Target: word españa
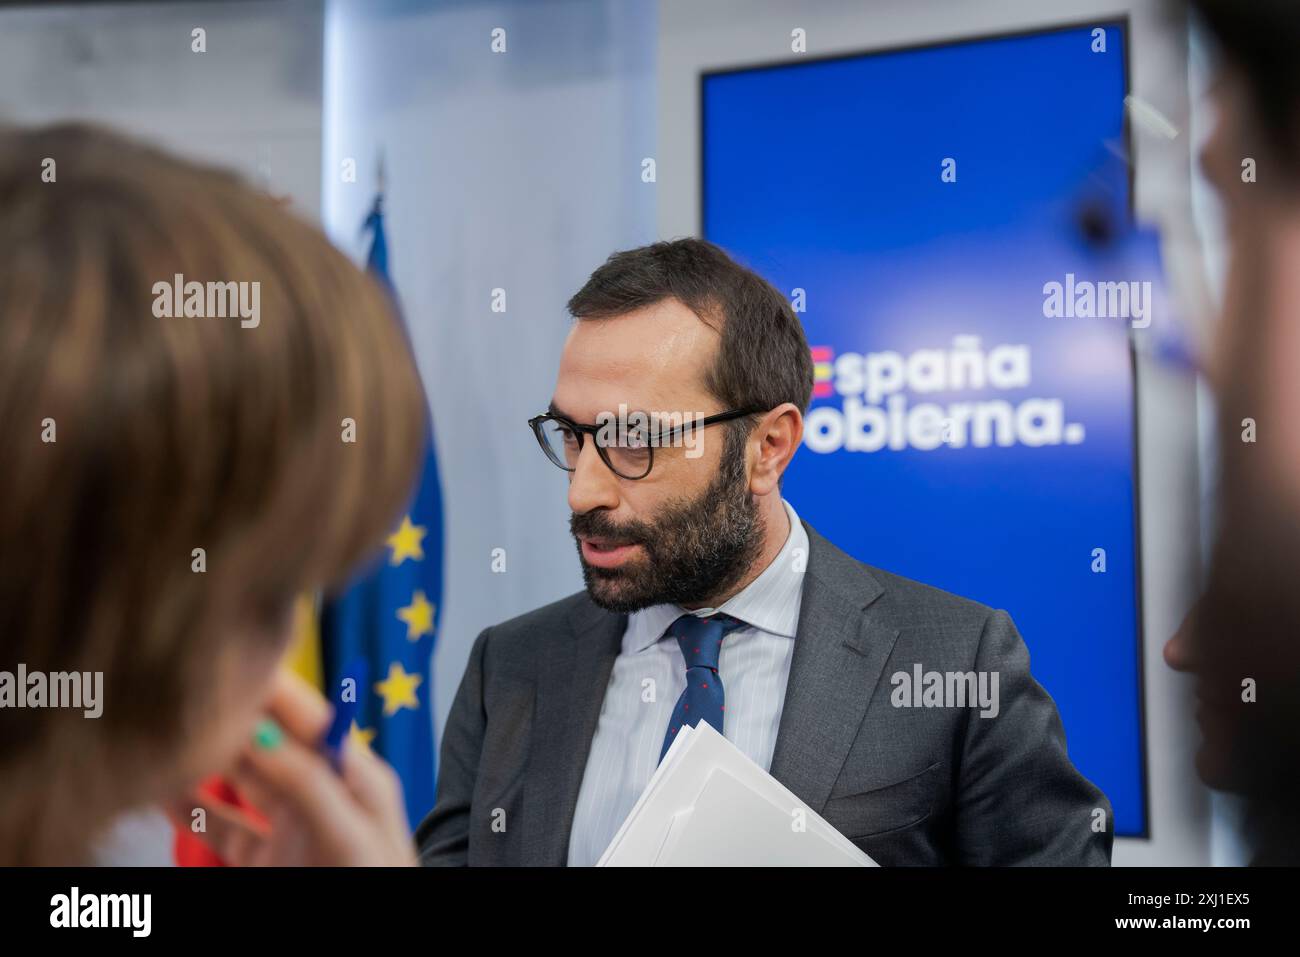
x=102, y=910
x=874, y=415
x=213, y=300
x=57, y=689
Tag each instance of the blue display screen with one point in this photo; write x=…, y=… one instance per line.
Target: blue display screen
x=916, y=206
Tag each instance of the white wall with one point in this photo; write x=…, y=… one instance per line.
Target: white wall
x=518, y=171
x=725, y=33
x=251, y=102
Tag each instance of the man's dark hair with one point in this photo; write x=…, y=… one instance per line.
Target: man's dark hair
x=763, y=359
x=1261, y=39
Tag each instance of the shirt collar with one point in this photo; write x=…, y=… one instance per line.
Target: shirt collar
x=769, y=603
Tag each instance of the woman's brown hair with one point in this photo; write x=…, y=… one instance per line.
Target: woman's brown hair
x=129, y=441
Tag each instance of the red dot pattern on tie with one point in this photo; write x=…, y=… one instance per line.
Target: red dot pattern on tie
x=706, y=694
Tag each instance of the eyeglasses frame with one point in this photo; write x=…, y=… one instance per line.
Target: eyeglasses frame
x=536, y=422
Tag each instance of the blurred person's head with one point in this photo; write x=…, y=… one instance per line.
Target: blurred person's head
x=132, y=441
x=679, y=328
x=1246, y=632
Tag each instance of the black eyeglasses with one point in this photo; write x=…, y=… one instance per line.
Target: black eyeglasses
x=629, y=452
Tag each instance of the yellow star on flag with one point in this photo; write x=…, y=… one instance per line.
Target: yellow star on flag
x=361, y=735
x=418, y=616
x=407, y=542
x=398, y=690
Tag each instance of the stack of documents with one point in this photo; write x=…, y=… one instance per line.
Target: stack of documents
x=708, y=804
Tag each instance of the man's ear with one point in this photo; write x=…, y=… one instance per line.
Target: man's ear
x=774, y=441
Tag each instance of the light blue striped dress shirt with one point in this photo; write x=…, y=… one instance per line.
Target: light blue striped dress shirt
x=650, y=674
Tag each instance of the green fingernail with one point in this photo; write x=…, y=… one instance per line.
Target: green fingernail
x=267, y=735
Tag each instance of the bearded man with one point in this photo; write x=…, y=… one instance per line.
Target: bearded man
x=707, y=599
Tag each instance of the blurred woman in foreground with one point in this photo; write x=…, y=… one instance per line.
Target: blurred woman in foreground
x=132, y=441
x=1243, y=641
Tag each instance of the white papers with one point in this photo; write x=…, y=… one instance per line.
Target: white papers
x=708, y=804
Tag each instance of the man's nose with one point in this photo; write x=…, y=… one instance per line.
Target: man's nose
x=1178, y=650
x=1176, y=654
x=591, y=483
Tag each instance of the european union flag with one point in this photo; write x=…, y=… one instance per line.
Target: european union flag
x=388, y=616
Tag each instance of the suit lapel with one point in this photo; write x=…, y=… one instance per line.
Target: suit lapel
x=840, y=650
x=571, y=683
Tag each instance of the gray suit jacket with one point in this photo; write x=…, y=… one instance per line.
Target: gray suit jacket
x=908, y=785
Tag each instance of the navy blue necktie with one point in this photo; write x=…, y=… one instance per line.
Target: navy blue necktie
x=701, y=641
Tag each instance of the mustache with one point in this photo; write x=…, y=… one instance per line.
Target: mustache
x=599, y=525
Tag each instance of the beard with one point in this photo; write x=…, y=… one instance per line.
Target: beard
x=696, y=550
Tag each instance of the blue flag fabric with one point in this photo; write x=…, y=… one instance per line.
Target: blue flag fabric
x=388, y=616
